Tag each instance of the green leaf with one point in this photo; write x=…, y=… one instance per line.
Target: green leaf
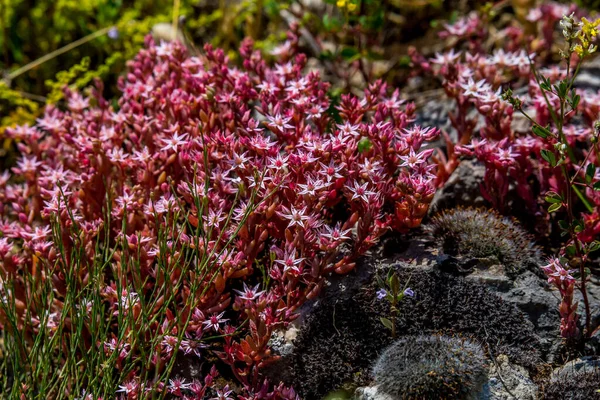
x=364, y=145
x=597, y=185
x=453, y=17
x=561, y=89
x=395, y=284
x=544, y=83
x=404, y=61
x=349, y=53
x=331, y=23
x=326, y=55
x=595, y=245
x=541, y=131
x=549, y=157
x=380, y=282
x=564, y=225
x=553, y=197
x=575, y=98
x=374, y=56
x=554, y=207
x=387, y=323
x=590, y=171
x=570, y=250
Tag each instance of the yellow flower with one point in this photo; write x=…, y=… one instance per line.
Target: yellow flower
x=589, y=29
x=341, y=3
x=351, y=7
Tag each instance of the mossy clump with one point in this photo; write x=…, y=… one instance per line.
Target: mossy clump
x=431, y=367
x=483, y=234
x=342, y=335
x=575, y=381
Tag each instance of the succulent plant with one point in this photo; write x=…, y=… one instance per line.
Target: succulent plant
x=431, y=367
x=478, y=234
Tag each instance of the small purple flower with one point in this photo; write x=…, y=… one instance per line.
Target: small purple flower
x=409, y=292
x=113, y=33
x=381, y=293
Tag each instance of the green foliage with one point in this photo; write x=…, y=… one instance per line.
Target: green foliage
x=32, y=32
x=23, y=109
x=476, y=233
x=392, y=292
x=431, y=367
x=15, y=109
x=64, y=78
x=79, y=76
x=589, y=4
x=28, y=33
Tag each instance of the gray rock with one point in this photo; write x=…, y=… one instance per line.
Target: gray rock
x=529, y=292
x=461, y=189
x=435, y=113
x=418, y=256
x=493, y=276
x=593, y=291
x=281, y=342
x=370, y=393
x=575, y=368
x=509, y=381
x=532, y=295
x=589, y=76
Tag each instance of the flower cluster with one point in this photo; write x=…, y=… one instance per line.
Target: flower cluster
x=488, y=130
x=587, y=36
x=519, y=116
x=561, y=278
x=474, y=81
x=232, y=192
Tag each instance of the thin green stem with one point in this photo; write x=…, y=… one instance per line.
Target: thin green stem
x=57, y=52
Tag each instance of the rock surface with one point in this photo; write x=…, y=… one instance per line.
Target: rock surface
x=589, y=76
x=461, y=189
x=509, y=381
x=370, y=393
x=580, y=366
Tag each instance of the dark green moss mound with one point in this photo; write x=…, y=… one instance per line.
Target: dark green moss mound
x=578, y=380
x=481, y=234
x=342, y=336
x=454, y=306
x=431, y=367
